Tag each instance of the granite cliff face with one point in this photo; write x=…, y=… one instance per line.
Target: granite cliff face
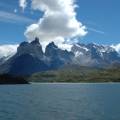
x=34, y=49
x=30, y=59
x=57, y=57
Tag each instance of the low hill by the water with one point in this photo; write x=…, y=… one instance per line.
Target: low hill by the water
x=78, y=74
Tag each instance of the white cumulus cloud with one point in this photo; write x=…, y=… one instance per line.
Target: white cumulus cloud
x=7, y=50
x=23, y=4
x=116, y=47
x=57, y=24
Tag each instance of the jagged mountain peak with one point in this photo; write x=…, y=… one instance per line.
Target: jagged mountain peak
x=51, y=50
x=35, y=42
x=80, y=47
x=23, y=43
x=52, y=45
x=95, y=54
x=34, y=48
x=30, y=58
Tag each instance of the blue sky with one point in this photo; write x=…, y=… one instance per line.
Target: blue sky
x=101, y=17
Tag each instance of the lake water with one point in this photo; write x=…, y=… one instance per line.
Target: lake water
x=60, y=102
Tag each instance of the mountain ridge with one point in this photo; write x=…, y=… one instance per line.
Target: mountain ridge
x=30, y=57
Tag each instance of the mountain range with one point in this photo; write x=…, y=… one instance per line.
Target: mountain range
x=30, y=57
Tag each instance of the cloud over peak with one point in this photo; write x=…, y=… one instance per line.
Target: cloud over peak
x=58, y=22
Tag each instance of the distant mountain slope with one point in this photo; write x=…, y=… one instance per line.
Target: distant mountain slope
x=95, y=55
x=77, y=74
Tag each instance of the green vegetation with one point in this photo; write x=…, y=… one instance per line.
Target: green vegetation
x=75, y=75
x=67, y=74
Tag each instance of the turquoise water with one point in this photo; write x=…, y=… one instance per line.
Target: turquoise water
x=60, y=102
